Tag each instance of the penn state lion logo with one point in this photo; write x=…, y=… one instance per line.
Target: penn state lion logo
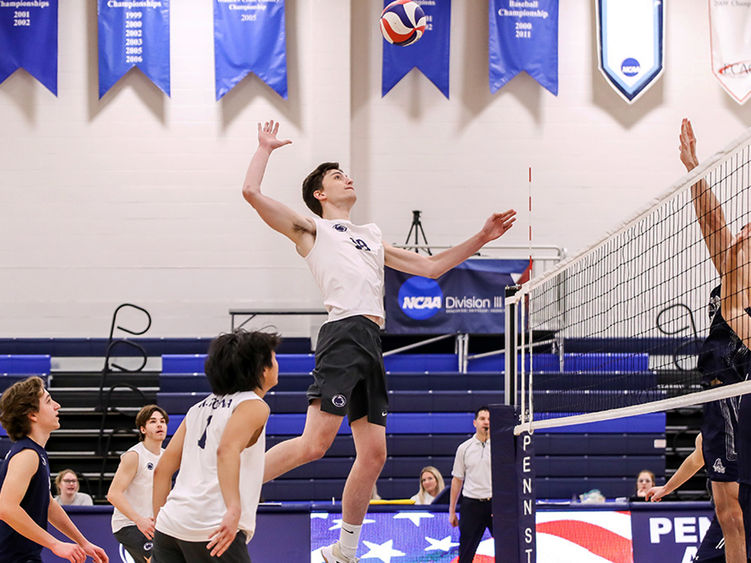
x=718, y=466
x=339, y=400
x=341, y=228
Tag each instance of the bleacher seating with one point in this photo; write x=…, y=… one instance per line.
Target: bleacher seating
x=431, y=408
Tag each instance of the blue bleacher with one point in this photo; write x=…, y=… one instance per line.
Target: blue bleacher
x=25, y=364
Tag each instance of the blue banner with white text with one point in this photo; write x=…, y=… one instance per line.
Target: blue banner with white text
x=523, y=36
x=134, y=34
x=630, y=34
x=470, y=298
x=28, y=40
x=430, y=54
x=249, y=36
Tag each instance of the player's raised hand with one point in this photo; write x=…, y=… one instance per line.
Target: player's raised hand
x=267, y=136
x=497, y=224
x=688, y=146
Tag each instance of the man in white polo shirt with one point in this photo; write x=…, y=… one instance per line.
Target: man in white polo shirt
x=472, y=472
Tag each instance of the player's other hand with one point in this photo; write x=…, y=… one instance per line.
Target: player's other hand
x=69, y=551
x=267, y=136
x=225, y=534
x=497, y=224
x=655, y=494
x=687, y=147
x=146, y=526
x=95, y=552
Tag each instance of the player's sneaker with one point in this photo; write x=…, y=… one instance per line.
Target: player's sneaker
x=332, y=554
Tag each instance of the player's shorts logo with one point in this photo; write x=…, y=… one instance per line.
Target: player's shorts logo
x=718, y=466
x=148, y=546
x=384, y=413
x=339, y=400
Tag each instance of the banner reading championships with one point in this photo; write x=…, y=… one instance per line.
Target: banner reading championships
x=249, y=36
x=731, y=51
x=134, y=33
x=430, y=54
x=630, y=44
x=28, y=39
x=523, y=35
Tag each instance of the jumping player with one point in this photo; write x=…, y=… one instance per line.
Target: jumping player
x=347, y=262
x=721, y=361
x=219, y=447
x=29, y=415
x=131, y=489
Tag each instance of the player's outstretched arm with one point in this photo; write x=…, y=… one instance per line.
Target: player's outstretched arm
x=688, y=469
x=736, y=285
x=242, y=431
x=168, y=464
x=435, y=266
x=717, y=235
x=124, y=476
x=299, y=229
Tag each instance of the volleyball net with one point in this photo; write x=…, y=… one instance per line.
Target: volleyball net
x=616, y=330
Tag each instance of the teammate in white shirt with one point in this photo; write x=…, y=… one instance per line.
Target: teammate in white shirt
x=210, y=514
x=131, y=488
x=347, y=261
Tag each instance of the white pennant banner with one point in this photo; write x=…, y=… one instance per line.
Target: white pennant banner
x=730, y=37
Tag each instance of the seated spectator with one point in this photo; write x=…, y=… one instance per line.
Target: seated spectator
x=431, y=483
x=644, y=481
x=66, y=483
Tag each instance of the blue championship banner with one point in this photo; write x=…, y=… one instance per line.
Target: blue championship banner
x=523, y=35
x=430, y=54
x=134, y=33
x=249, y=36
x=630, y=50
x=28, y=39
x=468, y=299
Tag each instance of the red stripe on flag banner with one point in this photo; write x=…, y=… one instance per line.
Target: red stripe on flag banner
x=596, y=539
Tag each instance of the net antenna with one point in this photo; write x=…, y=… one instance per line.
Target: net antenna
x=416, y=228
x=626, y=307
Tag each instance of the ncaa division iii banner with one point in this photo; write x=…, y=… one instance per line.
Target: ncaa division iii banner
x=630, y=44
x=134, y=33
x=28, y=40
x=729, y=23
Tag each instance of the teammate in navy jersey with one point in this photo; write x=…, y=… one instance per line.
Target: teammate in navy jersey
x=347, y=261
x=29, y=415
x=722, y=361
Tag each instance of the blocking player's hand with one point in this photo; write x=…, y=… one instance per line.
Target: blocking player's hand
x=69, y=551
x=95, y=552
x=655, y=494
x=688, y=146
x=497, y=224
x=267, y=136
x=225, y=534
x=146, y=526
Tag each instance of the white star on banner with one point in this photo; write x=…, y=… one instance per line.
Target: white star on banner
x=338, y=523
x=316, y=557
x=413, y=517
x=321, y=515
x=383, y=551
x=444, y=545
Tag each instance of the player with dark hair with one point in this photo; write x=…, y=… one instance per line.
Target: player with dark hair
x=722, y=361
x=29, y=415
x=210, y=514
x=347, y=261
x=131, y=490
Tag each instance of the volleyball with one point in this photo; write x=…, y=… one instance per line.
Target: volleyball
x=402, y=22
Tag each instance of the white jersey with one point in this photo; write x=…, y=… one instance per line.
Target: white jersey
x=347, y=263
x=139, y=491
x=195, y=507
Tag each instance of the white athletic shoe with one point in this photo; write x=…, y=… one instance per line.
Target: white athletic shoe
x=332, y=554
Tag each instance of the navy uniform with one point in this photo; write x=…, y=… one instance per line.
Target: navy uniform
x=15, y=547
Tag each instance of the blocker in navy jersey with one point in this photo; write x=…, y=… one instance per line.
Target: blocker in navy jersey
x=14, y=547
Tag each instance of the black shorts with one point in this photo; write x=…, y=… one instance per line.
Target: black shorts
x=349, y=377
x=171, y=550
x=718, y=430
x=135, y=543
x=712, y=547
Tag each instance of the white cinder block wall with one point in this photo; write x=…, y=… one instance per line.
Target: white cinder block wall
x=136, y=197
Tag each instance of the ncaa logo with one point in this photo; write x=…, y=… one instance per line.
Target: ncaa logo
x=420, y=298
x=630, y=67
x=339, y=400
x=341, y=228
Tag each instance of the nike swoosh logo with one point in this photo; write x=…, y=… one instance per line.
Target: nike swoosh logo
x=348, y=531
